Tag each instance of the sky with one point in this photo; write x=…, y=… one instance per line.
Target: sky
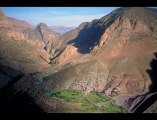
x=56, y=16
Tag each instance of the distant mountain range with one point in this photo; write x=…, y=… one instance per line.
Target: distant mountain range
x=61, y=29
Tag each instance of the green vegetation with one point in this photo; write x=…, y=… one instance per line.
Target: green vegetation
x=70, y=95
x=93, y=102
x=111, y=107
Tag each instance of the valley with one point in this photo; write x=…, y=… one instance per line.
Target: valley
x=108, y=65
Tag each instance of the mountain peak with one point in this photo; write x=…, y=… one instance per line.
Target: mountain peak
x=42, y=25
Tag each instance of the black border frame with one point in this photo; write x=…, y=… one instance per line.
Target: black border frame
x=75, y=3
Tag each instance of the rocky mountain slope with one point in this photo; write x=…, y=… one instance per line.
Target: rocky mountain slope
x=19, y=47
x=90, y=36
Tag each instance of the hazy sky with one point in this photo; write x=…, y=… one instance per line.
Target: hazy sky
x=66, y=16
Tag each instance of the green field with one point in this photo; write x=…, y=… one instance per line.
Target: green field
x=93, y=102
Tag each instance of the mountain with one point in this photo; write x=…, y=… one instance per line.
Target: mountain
x=19, y=46
x=124, y=41
x=89, y=38
x=49, y=37
x=61, y=29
